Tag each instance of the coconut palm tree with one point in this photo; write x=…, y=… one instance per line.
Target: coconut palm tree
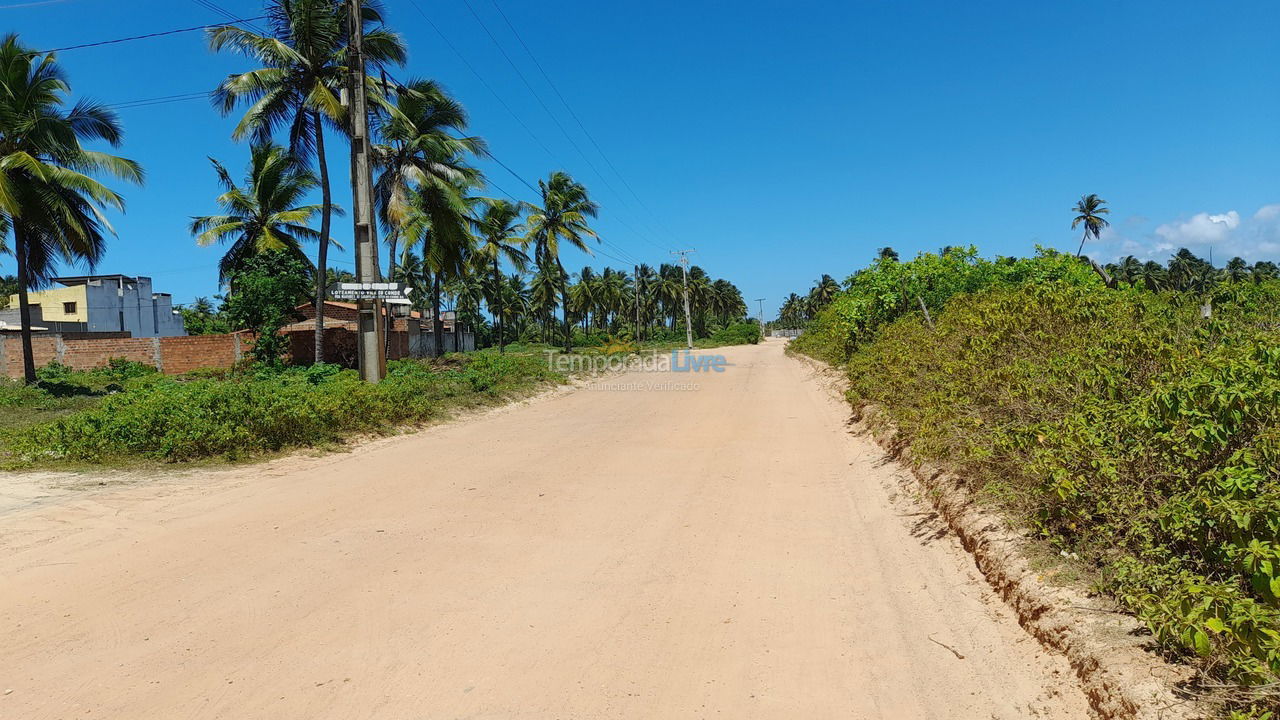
x=644, y=283
x=545, y=287
x=887, y=253
x=562, y=217
x=1089, y=211
x=265, y=214
x=500, y=238
x=49, y=199
x=420, y=148
x=1152, y=275
x=1264, y=270
x=439, y=220
x=671, y=291
x=303, y=69
x=823, y=292
x=1237, y=270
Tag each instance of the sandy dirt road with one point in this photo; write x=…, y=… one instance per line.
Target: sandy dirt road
x=626, y=552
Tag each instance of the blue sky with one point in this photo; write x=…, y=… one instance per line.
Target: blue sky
x=781, y=141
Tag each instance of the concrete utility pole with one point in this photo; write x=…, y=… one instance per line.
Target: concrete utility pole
x=637, y=284
x=761, y=301
x=688, y=321
x=373, y=359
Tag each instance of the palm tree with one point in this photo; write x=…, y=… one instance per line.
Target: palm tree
x=438, y=219
x=644, y=284
x=1264, y=270
x=1237, y=270
x=671, y=291
x=1090, y=210
x=547, y=284
x=584, y=296
x=303, y=70
x=48, y=197
x=500, y=235
x=1127, y=270
x=1152, y=274
x=265, y=214
x=562, y=217
x=823, y=292
x=887, y=254
x=420, y=149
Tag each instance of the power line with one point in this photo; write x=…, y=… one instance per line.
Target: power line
x=218, y=9
x=147, y=36
x=543, y=104
x=162, y=100
x=449, y=44
x=572, y=114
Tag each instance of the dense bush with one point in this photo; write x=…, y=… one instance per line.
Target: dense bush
x=890, y=289
x=266, y=410
x=745, y=333
x=1120, y=425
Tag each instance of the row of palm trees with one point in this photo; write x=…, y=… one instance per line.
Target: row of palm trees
x=798, y=310
x=646, y=303
x=444, y=237
x=1186, y=272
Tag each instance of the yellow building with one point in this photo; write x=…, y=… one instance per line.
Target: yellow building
x=59, y=304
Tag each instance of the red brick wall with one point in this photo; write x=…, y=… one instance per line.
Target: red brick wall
x=183, y=354
x=176, y=355
x=86, y=354
x=173, y=355
x=45, y=348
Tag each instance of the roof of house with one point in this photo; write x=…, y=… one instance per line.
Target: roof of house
x=70, y=280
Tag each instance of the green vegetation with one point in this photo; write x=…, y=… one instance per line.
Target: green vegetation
x=1120, y=424
x=265, y=290
x=257, y=410
x=127, y=412
x=743, y=333
x=60, y=391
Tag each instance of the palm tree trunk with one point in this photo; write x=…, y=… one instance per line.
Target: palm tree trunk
x=391, y=260
x=497, y=289
x=24, y=305
x=322, y=254
x=1082, y=239
x=564, y=303
x=437, y=322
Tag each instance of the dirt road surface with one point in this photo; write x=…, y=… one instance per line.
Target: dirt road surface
x=622, y=551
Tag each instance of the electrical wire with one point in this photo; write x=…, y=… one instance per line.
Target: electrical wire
x=573, y=114
x=131, y=38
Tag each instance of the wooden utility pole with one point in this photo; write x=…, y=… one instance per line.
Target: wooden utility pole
x=373, y=359
x=637, y=284
x=761, y=301
x=688, y=321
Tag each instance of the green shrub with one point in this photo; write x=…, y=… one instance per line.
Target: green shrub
x=1117, y=424
x=120, y=369
x=268, y=409
x=889, y=289
x=745, y=333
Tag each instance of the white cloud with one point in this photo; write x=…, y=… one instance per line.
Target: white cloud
x=1200, y=229
x=1227, y=234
